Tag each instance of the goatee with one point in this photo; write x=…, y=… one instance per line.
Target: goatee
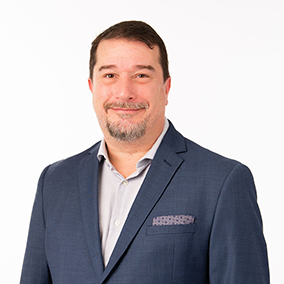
x=125, y=130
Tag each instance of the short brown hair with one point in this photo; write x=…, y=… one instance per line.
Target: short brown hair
x=134, y=31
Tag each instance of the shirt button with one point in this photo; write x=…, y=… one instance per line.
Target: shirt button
x=125, y=182
x=117, y=222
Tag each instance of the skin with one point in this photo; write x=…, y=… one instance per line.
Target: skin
x=129, y=72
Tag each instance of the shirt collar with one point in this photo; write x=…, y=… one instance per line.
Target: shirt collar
x=102, y=153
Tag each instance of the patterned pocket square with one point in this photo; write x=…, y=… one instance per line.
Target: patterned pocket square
x=173, y=220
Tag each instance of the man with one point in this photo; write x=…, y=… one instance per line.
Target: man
x=144, y=205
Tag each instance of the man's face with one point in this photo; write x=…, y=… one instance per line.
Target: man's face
x=129, y=92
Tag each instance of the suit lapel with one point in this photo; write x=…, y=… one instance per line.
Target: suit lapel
x=166, y=162
x=88, y=185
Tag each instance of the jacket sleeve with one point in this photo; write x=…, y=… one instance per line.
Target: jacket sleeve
x=35, y=268
x=237, y=252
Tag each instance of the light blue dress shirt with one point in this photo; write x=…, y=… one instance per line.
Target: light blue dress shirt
x=117, y=194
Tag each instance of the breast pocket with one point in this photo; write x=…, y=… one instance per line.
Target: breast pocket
x=170, y=229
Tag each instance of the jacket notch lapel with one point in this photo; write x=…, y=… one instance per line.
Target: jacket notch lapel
x=162, y=169
x=88, y=186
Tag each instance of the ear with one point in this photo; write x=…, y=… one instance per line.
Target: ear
x=167, y=86
x=91, y=86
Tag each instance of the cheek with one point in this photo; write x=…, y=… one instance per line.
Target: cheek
x=99, y=96
x=161, y=97
x=98, y=105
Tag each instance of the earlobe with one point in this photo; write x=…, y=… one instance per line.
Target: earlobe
x=167, y=88
x=91, y=87
x=168, y=85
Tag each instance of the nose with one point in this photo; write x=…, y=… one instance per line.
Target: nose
x=124, y=89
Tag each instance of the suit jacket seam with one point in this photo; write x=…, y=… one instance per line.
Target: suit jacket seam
x=220, y=192
x=41, y=188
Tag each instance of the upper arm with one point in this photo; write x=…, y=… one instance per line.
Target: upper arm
x=237, y=250
x=35, y=268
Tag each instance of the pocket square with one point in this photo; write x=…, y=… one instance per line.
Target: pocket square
x=173, y=220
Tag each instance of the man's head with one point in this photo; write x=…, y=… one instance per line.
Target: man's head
x=132, y=31
x=129, y=83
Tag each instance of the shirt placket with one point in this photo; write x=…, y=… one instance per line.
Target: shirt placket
x=117, y=218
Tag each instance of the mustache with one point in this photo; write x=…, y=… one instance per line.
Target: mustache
x=126, y=105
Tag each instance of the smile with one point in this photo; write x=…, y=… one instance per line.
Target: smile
x=125, y=107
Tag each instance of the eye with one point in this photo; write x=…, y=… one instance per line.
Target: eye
x=110, y=76
x=142, y=76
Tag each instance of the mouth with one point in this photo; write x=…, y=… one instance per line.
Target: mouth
x=126, y=107
x=125, y=110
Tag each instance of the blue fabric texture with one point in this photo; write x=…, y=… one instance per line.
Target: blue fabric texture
x=222, y=244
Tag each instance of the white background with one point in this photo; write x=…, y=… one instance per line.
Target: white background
x=226, y=62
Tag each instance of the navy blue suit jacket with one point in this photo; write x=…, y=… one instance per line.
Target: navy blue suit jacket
x=224, y=245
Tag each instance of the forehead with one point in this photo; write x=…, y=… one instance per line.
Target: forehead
x=121, y=50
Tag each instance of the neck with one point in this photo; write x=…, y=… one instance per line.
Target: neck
x=125, y=155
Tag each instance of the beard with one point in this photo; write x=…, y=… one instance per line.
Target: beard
x=127, y=133
x=124, y=130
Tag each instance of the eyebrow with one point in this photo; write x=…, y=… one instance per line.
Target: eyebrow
x=149, y=67
x=138, y=67
x=106, y=67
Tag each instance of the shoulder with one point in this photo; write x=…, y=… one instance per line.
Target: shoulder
x=214, y=165
x=70, y=164
x=210, y=173
x=206, y=156
x=200, y=163
x=60, y=179
x=194, y=154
